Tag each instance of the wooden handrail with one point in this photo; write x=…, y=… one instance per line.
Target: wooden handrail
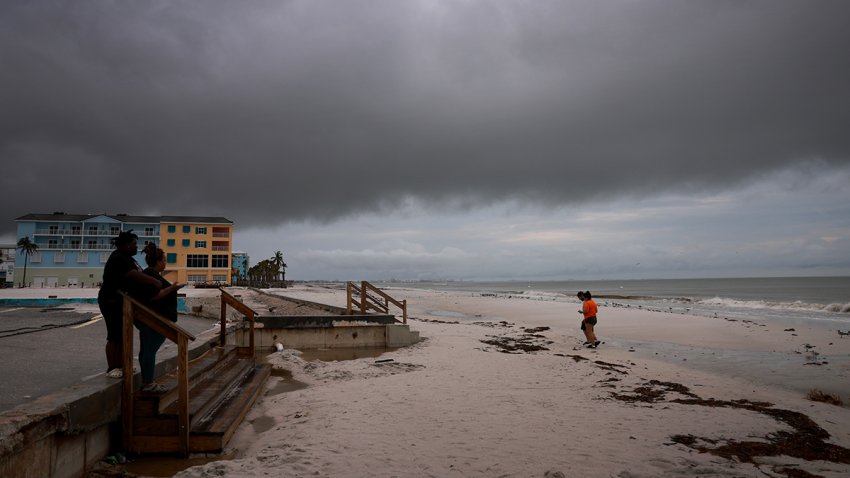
x=369, y=302
x=227, y=299
x=135, y=310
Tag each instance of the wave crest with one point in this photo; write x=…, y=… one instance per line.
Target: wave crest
x=761, y=304
x=842, y=308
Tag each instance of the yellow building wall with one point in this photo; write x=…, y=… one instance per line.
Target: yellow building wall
x=196, y=239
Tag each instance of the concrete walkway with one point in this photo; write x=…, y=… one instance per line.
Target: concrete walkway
x=43, y=350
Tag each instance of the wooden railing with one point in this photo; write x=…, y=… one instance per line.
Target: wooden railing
x=368, y=297
x=227, y=299
x=134, y=310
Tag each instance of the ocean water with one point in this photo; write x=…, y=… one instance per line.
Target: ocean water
x=821, y=301
x=818, y=302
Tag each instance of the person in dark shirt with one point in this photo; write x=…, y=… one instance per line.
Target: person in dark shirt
x=162, y=299
x=121, y=273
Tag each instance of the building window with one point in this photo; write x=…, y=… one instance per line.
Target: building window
x=93, y=230
x=197, y=278
x=170, y=242
x=92, y=244
x=171, y=258
x=200, y=244
x=201, y=230
x=53, y=229
x=172, y=228
x=220, y=246
x=113, y=230
x=75, y=230
x=185, y=242
x=52, y=244
x=197, y=260
x=187, y=229
x=219, y=260
x=219, y=278
x=149, y=231
x=221, y=232
x=75, y=243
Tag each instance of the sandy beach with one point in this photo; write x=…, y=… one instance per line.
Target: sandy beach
x=502, y=387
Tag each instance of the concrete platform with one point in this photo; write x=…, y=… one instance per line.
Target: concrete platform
x=58, y=410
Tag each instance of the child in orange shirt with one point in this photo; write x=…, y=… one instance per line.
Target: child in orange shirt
x=588, y=310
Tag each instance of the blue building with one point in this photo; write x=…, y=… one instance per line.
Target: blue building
x=240, y=264
x=73, y=248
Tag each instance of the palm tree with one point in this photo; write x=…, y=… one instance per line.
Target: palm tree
x=27, y=248
x=277, y=260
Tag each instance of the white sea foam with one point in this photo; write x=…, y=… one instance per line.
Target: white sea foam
x=761, y=304
x=541, y=294
x=843, y=308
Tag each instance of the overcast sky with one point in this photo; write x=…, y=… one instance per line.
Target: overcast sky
x=445, y=139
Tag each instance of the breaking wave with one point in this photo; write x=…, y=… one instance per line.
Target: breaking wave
x=761, y=304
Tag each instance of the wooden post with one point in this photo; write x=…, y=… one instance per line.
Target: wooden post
x=348, y=298
x=363, y=297
x=222, y=335
x=251, y=338
x=127, y=364
x=404, y=310
x=183, y=392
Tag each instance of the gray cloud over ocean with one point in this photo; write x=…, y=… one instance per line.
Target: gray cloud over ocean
x=269, y=112
x=444, y=138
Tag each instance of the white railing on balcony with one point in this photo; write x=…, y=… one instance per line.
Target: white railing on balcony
x=220, y=234
x=77, y=247
x=58, y=232
x=220, y=248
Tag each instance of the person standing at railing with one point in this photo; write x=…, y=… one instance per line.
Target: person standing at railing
x=162, y=299
x=121, y=273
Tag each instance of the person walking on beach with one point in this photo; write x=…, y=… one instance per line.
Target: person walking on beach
x=162, y=299
x=121, y=273
x=588, y=322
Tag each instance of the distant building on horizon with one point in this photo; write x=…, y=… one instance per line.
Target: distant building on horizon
x=240, y=264
x=73, y=248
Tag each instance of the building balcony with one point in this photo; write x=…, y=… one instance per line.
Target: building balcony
x=221, y=234
x=58, y=232
x=70, y=247
x=220, y=248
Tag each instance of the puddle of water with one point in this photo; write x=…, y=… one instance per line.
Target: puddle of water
x=284, y=386
x=348, y=353
x=449, y=314
x=164, y=466
x=263, y=424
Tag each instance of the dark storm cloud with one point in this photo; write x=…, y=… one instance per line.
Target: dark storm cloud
x=267, y=112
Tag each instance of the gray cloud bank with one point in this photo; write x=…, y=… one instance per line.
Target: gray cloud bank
x=267, y=111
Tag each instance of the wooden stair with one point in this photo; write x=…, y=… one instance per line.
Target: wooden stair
x=223, y=385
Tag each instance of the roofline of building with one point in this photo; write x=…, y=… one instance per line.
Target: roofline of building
x=125, y=218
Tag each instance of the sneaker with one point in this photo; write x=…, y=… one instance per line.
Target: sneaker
x=596, y=344
x=591, y=346
x=154, y=388
x=115, y=373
